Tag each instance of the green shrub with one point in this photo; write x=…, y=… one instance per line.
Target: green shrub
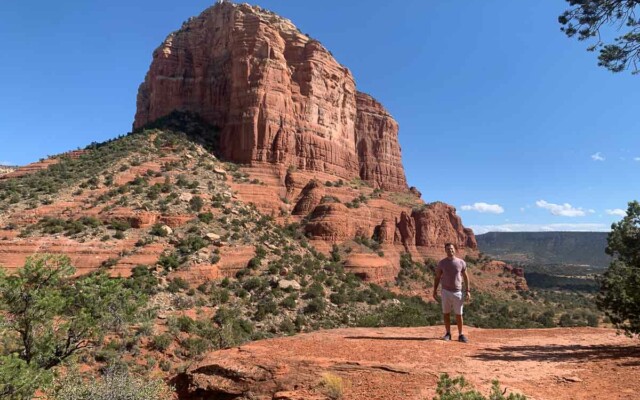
x=169, y=261
x=205, y=217
x=161, y=342
x=116, y=384
x=119, y=225
x=458, y=389
x=315, y=306
x=191, y=244
x=195, y=345
x=196, y=203
x=177, y=284
x=289, y=302
x=158, y=230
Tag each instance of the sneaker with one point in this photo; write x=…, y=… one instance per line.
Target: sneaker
x=446, y=337
x=462, y=338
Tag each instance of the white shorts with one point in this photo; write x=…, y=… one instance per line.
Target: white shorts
x=452, y=302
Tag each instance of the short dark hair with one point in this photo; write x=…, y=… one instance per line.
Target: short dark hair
x=449, y=244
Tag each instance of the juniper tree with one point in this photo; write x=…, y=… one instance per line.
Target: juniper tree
x=47, y=316
x=619, y=295
x=589, y=20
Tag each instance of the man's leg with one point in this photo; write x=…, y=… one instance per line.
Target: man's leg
x=447, y=322
x=459, y=322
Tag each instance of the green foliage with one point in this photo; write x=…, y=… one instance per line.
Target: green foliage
x=191, y=244
x=50, y=316
x=619, y=295
x=207, y=217
x=410, y=311
x=115, y=385
x=196, y=203
x=50, y=225
x=458, y=389
x=158, y=230
x=413, y=271
x=169, y=261
x=19, y=380
x=316, y=305
x=177, y=284
x=232, y=330
x=585, y=19
x=537, y=280
x=161, y=342
x=370, y=243
x=119, y=225
x=329, y=199
x=142, y=280
x=187, y=124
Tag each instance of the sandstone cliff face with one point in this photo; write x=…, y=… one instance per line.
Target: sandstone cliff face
x=277, y=96
x=377, y=146
x=438, y=222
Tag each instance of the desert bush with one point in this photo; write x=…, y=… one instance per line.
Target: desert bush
x=191, y=244
x=119, y=225
x=161, y=342
x=333, y=386
x=195, y=345
x=169, y=261
x=114, y=385
x=458, y=389
x=196, y=203
x=315, y=306
x=205, y=217
x=177, y=284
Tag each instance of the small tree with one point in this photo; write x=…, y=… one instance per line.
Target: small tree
x=48, y=316
x=619, y=295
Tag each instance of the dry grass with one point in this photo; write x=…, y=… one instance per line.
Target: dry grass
x=333, y=386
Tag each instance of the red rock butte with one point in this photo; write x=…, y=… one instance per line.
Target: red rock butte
x=277, y=96
x=291, y=115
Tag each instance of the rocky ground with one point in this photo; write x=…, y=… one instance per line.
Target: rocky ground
x=405, y=363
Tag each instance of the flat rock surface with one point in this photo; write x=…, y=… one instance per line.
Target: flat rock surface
x=405, y=363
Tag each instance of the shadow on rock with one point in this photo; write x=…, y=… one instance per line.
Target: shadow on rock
x=562, y=353
x=390, y=338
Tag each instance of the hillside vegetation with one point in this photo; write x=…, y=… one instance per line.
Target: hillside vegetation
x=285, y=287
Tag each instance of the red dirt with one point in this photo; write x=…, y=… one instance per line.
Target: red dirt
x=405, y=363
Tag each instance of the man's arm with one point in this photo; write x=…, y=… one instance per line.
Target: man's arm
x=436, y=282
x=467, y=284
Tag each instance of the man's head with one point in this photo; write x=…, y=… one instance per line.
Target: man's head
x=450, y=248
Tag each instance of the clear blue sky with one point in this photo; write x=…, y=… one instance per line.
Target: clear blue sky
x=495, y=105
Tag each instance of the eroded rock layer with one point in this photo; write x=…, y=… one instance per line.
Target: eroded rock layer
x=277, y=96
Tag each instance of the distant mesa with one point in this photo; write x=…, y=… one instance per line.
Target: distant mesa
x=543, y=248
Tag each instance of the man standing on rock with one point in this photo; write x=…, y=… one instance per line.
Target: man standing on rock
x=451, y=270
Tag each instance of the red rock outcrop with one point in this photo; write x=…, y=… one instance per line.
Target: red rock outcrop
x=277, y=96
x=370, y=268
x=328, y=223
x=377, y=145
x=406, y=227
x=438, y=222
x=309, y=198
